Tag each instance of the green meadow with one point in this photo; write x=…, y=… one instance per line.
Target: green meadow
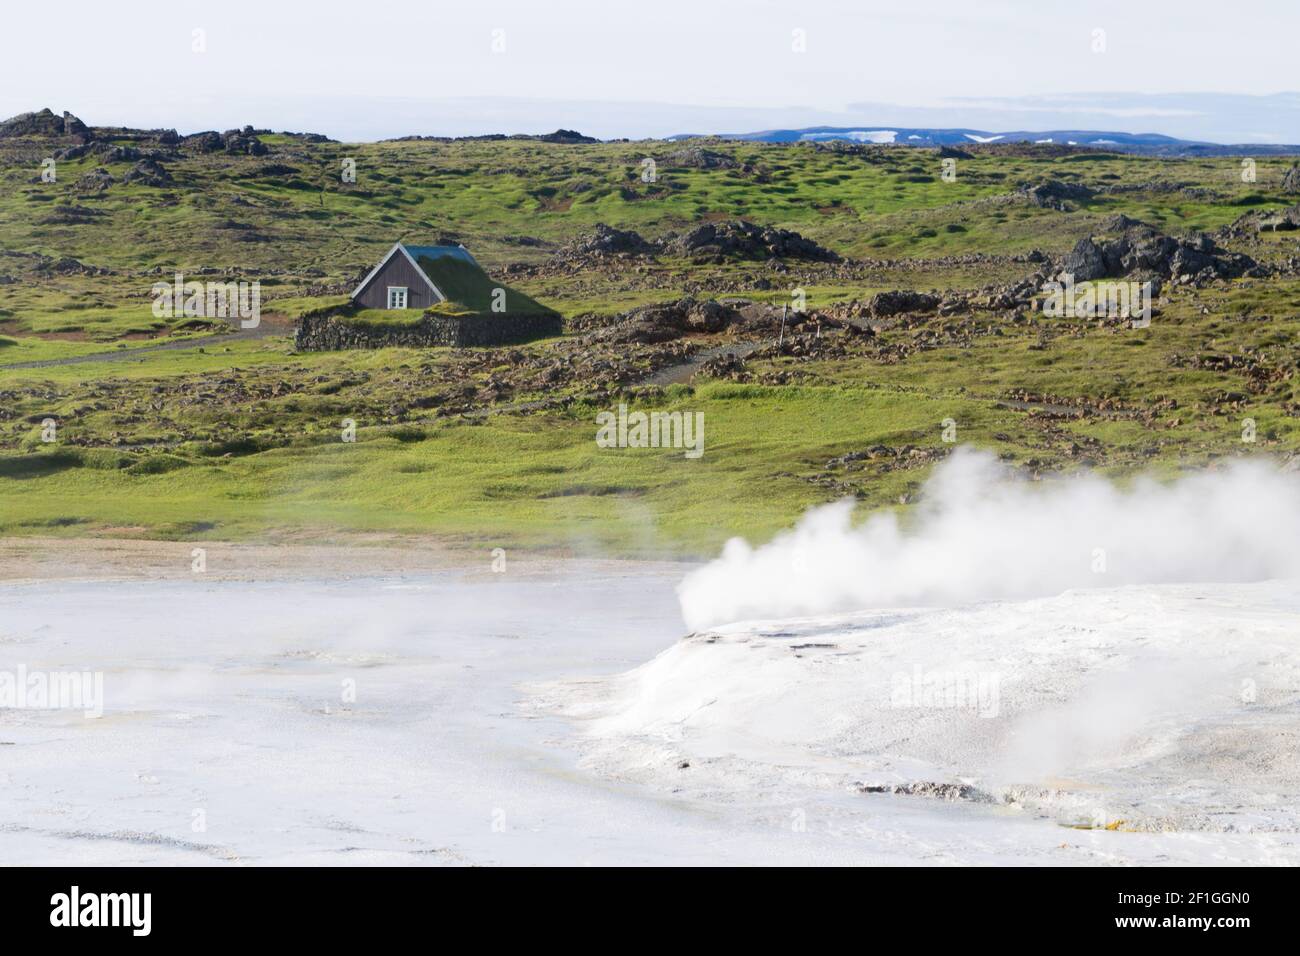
x=243, y=438
x=537, y=480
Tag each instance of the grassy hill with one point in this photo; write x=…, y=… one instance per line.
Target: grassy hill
x=239, y=436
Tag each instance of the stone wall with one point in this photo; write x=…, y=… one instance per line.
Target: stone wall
x=332, y=332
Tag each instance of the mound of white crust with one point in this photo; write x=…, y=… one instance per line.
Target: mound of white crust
x=1147, y=708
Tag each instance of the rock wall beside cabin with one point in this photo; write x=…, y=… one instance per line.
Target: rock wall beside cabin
x=489, y=329
x=332, y=333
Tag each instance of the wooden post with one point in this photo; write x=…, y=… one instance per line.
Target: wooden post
x=781, y=341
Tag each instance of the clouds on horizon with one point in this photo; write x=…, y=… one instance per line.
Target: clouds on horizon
x=397, y=67
x=1212, y=117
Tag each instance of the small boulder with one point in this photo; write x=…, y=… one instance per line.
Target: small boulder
x=95, y=181
x=606, y=240
x=148, y=172
x=1055, y=194
x=745, y=240
x=884, y=304
x=205, y=142
x=708, y=316
x=1085, y=261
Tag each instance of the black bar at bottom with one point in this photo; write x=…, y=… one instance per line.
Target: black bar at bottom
x=332, y=906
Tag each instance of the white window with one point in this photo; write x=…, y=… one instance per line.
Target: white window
x=396, y=297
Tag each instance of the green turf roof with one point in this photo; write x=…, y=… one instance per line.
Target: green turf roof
x=462, y=280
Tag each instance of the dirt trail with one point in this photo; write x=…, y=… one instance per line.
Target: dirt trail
x=267, y=328
x=677, y=374
x=1052, y=407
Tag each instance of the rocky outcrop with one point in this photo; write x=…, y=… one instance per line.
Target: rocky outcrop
x=205, y=142
x=273, y=171
x=36, y=264
x=1263, y=220
x=120, y=154
x=1284, y=221
x=66, y=266
x=148, y=172
x=745, y=240
x=243, y=142
x=1118, y=223
x=1291, y=181
x=237, y=141
x=1054, y=194
x=1086, y=261
x=708, y=316
x=1143, y=252
x=646, y=325
x=728, y=366
x=43, y=123
x=884, y=304
x=664, y=322
x=566, y=136
x=70, y=214
x=709, y=241
x=95, y=181
x=74, y=152
x=73, y=126
x=607, y=240
x=113, y=153
x=697, y=157
x=952, y=152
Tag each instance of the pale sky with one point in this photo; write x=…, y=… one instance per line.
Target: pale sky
x=374, y=68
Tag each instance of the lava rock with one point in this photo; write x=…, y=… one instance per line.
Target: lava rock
x=1142, y=251
x=43, y=123
x=884, y=304
x=148, y=172
x=697, y=157
x=952, y=152
x=1085, y=261
x=607, y=240
x=567, y=136
x=95, y=181
x=708, y=316
x=205, y=142
x=745, y=240
x=1054, y=194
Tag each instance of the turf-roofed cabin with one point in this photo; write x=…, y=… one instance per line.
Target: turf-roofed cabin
x=449, y=298
x=404, y=279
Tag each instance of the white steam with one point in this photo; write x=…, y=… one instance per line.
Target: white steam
x=978, y=536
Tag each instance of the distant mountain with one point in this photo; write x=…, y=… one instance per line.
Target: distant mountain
x=1154, y=144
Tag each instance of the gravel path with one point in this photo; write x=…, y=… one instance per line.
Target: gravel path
x=265, y=330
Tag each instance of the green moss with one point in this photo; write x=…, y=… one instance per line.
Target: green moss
x=243, y=436
x=468, y=287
